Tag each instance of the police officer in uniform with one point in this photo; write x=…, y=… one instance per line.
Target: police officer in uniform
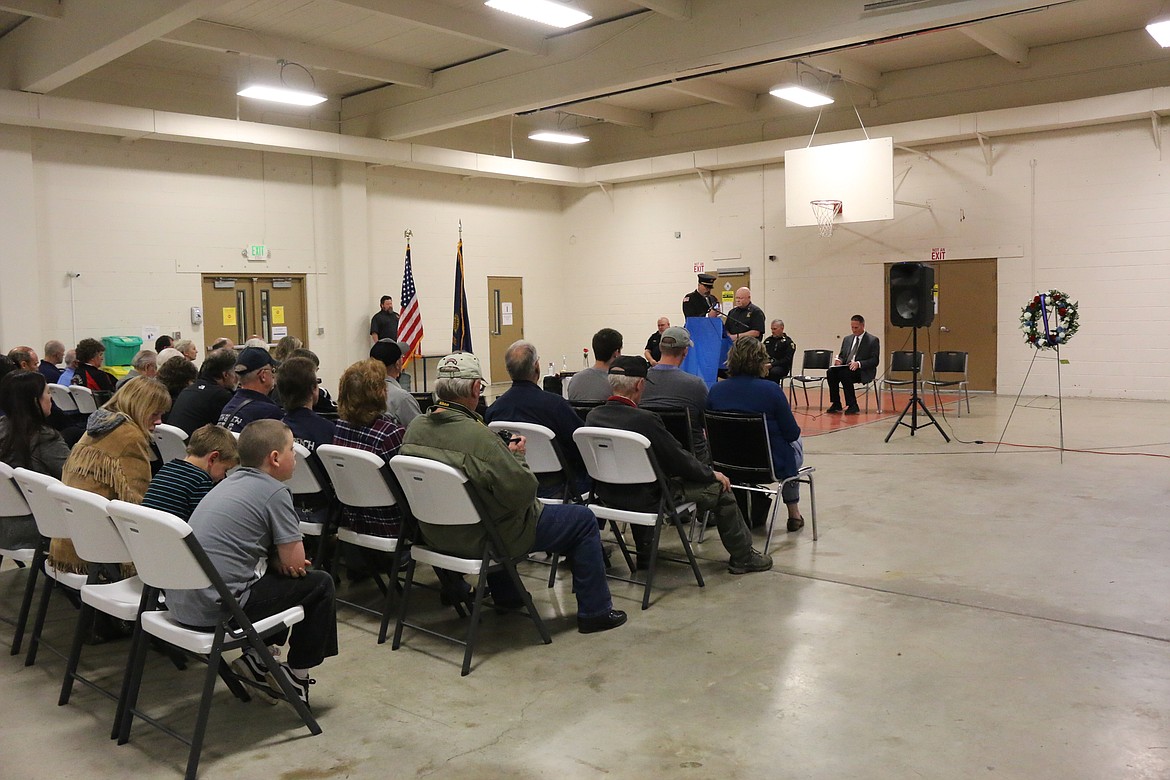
x=700, y=302
x=781, y=350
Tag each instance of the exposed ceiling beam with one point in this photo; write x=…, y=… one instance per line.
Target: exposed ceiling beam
x=41, y=55
x=475, y=25
x=595, y=109
x=641, y=51
x=849, y=70
x=716, y=93
x=219, y=37
x=675, y=9
x=41, y=9
x=995, y=38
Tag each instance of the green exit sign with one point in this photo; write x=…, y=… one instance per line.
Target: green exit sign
x=257, y=252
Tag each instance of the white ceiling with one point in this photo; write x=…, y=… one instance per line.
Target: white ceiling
x=645, y=78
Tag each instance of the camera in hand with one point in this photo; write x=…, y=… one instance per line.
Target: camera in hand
x=507, y=436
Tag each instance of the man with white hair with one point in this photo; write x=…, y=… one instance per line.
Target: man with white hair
x=144, y=363
x=452, y=433
x=54, y=354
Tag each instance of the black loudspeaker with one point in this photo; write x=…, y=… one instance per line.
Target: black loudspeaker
x=911, y=295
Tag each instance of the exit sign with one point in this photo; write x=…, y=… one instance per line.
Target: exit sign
x=938, y=253
x=699, y=267
x=256, y=252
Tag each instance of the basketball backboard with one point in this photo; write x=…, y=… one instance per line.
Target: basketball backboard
x=860, y=174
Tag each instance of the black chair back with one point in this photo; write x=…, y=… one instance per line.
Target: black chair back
x=903, y=360
x=740, y=447
x=583, y=408
x=817, y=359
x=950, y=362
x=678, y=422
x=425, y=401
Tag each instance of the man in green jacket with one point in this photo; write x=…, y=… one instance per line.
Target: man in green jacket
x=452, y=433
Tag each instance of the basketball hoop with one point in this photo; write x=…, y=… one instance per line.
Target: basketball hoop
x=825, y=211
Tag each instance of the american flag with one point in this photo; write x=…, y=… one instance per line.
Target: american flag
x=410, y=327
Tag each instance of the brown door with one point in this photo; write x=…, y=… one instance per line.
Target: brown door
x=240, y=307
x=729, y=280
x=966, y=304
x=505, y=320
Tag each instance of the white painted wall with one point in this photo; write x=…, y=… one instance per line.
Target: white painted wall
x=1084, y=211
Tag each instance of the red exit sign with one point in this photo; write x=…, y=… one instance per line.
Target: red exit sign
x=699, y=267
x=938, y=253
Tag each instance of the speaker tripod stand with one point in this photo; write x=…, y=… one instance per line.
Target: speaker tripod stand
x=915, y=402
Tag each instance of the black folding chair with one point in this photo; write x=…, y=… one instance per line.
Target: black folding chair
x=813, y=360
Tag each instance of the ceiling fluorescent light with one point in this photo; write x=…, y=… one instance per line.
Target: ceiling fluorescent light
x=801, y=95
x=543, y=11
x=1160, y=32
x=557, y=137
x=295, y=97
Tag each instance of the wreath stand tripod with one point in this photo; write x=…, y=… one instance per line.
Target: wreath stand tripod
x=915, y=402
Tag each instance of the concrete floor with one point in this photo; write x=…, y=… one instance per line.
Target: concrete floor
x=964, y=614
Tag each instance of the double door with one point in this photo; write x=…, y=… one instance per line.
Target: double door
x=244, y=307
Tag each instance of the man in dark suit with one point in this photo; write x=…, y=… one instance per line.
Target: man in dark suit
x=693, y=481
x=855, y=365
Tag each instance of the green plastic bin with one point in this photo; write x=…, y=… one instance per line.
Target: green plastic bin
x=120, y=350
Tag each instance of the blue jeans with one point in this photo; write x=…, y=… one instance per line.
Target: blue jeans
x=569, y=530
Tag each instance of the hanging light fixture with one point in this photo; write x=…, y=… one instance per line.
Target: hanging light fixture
x=803, y=96
x=284, y=93
x=543, y=11
x=557, y=137
x=1160, y=30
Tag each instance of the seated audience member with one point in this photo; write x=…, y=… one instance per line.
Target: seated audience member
x=591, y=384
x=781, y=350
x=366, y=425
x=325, y=404
x=70, y=370
x=257, y=374
x=524, y=401
x=27, y=440
x=669, y=387
x=202, y=402
x=90, y=356
x=177, y=374
x=747, y=391
x=168, y=353
x=25, y=358
x=855, y=365
x=113, y=457
x=651, y=352
x=285, y=347
x=144, y=363
x=399, y=402
x=180, y=485
x=452, y=433
x=187, y=349
x=221, y=343
x=162, y=342
x=257, y=343
x=54, y=354
x=248, y=517
x=696, y=481
x=297, y=383
x=7, y=366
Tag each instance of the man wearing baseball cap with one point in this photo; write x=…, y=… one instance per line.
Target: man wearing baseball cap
x=672, y=388
x=452, y=433
x=399, y=402
x=256, y=370
x=698, y=482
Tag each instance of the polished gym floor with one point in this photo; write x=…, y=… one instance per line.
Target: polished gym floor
x=966, y=613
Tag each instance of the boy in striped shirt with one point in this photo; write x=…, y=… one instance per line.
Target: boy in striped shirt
x=180, y=485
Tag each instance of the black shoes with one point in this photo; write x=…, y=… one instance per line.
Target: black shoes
x=834, y=409
x=591, y=625
x=795, y=524
x=753, y=562
x=852, y=410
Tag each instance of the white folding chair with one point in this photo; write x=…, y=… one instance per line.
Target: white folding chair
x=439, y=494
x=310, y=481
x=51, y=525
x=171, y=442
x=12, y=504
x=83, y=397
x=615, y=457
x=361, y=479
x=169, y=557
x=62, y=397
x=96, y=540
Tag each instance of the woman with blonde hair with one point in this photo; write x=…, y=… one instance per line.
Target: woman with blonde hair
x=747, y=391
x=113, y=457
x=365, y=425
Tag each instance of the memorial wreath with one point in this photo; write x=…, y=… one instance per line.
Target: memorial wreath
x=1049, y=320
